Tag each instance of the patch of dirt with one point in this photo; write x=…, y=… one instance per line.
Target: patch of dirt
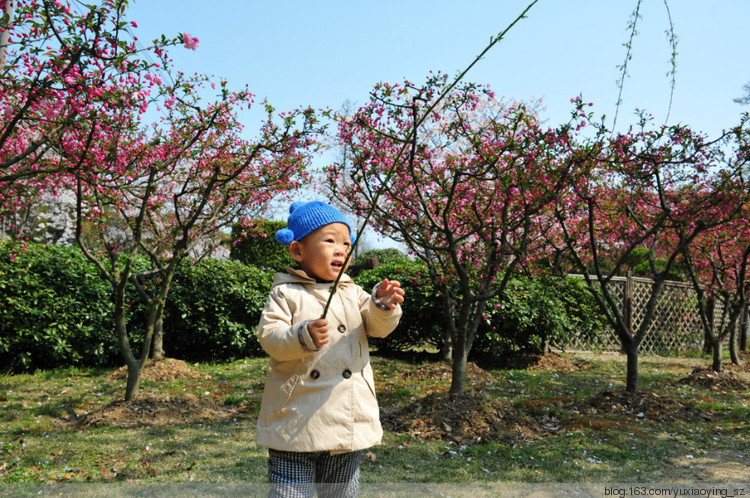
x=158, y=411
x=717, y=465
x=548, y=361
x=443, y=371
x=477, y=376
x=642, y=405
x=167, y=369
x=716, y=381
x=466, y=418
x=744, y=365
x=556, y=363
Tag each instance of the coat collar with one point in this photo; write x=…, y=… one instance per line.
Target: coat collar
x=298, y=276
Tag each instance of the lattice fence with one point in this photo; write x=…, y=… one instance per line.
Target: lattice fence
x=675, y=327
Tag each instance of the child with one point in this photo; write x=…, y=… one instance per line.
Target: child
x=319, y=409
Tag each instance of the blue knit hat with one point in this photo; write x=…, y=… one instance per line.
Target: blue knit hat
x=304, y=217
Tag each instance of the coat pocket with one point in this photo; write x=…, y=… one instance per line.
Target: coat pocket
x=369, y=383
x=285, y=393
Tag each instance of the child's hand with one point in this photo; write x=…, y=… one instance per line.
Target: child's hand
x=390, y=293
x=318, y=330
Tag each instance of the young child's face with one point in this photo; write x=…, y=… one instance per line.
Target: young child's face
x=322, y=252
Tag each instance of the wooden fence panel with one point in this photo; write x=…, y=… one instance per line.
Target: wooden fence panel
x=675, y=327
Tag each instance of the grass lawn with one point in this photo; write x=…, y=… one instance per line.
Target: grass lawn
x=567, y=422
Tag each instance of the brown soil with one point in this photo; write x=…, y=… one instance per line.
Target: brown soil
x=549, y=361
x=167, y=369
x=726, y=380
x=467, y=418
x=158, y=410
x=556, y=363
x=643, y=405
x=471, y=417
x=443, y=371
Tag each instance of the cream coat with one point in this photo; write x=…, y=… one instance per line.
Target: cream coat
x=320, y=400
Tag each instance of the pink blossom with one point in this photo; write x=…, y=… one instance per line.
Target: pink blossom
x=189, y=41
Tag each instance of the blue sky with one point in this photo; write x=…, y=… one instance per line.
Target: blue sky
x=323, y=53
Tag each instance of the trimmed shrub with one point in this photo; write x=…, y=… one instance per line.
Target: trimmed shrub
x=533, y=313
x=382, y=256
x=420, y=323
x=213, y=310
x=55, y=309
x=255, y=245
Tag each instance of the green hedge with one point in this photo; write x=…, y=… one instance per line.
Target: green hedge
x=55, y=310
x=256, y=245
x=213, y=310
x=533, y=313
x=422, y=311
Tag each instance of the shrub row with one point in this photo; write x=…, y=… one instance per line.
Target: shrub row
x=56, y=310
x=531, y=314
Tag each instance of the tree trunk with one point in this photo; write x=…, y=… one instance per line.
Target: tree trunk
x=733, y=354
x=631, y=377
x=134, y=366
x=744, y=323
x=707, y=342
x=157, y=348
x=714, y=343
x=460, y=357
x=133, y=383
x=445, y=351
x=716, y=361
x=8, y=6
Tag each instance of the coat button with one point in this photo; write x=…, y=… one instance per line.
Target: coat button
x=315, y=374
x=347, y=373
x=342, y=328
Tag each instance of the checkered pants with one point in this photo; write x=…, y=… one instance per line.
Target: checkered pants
x=300, y=475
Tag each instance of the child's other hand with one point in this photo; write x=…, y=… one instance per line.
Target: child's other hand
x=390, y=293
x=318, y=330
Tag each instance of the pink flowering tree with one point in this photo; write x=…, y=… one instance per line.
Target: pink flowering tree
x=80, y=104
x=718, y=261
x=61, y=68
x=168, y=192
x=466, y=190
x=654, y=189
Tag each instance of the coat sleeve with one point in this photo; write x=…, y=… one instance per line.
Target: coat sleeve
x=378, y=322
x=278, y=336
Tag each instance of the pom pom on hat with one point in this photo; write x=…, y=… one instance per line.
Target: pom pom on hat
x=285, y=236
x=305, y=217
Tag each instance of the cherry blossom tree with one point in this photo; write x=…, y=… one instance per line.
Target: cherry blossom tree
x=467, y=196
x=719, y=259
x=653, y=188
x=61, y=67
x=173, y=190
x=79, y=104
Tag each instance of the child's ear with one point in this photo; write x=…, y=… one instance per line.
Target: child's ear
x=295, y=251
